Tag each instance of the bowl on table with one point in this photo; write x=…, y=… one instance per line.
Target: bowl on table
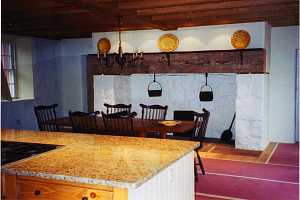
x=169, y=122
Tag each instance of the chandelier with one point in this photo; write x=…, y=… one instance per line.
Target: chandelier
x=121, y=58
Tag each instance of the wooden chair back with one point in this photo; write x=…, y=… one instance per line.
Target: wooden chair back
x=187, y=115
x=117, y=108
x=44, y=114
x=119, y=124
x=155, y=112
x=201, y=121
x=83, y=122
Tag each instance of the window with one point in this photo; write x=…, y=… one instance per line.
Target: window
x=8, y=62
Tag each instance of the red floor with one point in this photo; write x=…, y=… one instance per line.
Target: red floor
x=227, y=179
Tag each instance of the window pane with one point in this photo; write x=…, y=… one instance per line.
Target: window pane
x=5, y=73
x=11, y=77
x=8, y=63
x=6, y=49
x=12, y=90
x=10, y=49
x=4, y=62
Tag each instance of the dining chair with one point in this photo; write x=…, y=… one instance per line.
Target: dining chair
x=121, y=124
x=83, y=122
x=201, y=121
x=199, y=131
x=45, y=114
x=118, y=108
x=186, y=115
x=155, y=112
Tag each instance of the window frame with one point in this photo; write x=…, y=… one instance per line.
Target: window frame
x=14, y=68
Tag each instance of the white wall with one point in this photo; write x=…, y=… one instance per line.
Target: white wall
x=180, y=92
x=298, y=97
x=251, y=112
x=284, y=42
x=72, y=74
x=18, y=114
x=190, y=39
x=24, y=68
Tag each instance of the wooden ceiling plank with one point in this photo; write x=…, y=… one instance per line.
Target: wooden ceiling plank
x=270, y=17
x=227, y=11
x=146, y=4
x=15, y=6
x=74, y=18
x=210, y=6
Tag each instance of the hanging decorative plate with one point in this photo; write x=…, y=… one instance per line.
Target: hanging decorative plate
x=168, y=42
x=103, y=45
x=240, y=39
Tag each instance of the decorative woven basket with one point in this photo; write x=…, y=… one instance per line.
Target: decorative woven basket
x=103, y=45
x=240, y=39
x=168, y=42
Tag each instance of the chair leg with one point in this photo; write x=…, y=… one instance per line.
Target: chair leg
x=200, y=162
x=196, y=173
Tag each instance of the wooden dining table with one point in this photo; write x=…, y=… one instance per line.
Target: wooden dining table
x=141, y=126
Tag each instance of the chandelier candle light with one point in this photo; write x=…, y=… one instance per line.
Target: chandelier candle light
x=123, y=59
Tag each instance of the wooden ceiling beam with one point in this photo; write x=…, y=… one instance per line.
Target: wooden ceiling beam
x=209, y=6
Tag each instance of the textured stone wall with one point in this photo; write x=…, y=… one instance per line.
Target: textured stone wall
x=252, y=111
x=103, y=91
x=180, y=92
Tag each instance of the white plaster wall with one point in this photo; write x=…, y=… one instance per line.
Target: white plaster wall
x=45, y=59
x=72, y=74
x=251, y=111
x=103, y=91
x=284, y=42
x=298, y=97
x=122, y=89
x=190, y=39
x=180, y=92
x=24, y=68
x=18, y=114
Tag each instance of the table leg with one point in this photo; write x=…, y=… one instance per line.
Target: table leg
x=142, y=134
x=163, y=134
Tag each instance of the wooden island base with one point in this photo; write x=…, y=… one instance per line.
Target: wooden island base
x=176, y=182
x=29, y=188
x=119, y=168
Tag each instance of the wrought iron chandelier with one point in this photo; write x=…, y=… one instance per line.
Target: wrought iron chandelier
x=122, y=59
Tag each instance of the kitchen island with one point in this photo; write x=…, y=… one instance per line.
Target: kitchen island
x=88, y=166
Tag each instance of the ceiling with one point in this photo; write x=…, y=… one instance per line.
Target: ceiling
x=79, y=18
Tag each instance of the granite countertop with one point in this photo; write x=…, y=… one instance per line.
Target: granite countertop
x=116, y=161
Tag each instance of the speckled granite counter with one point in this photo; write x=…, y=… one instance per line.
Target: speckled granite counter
x=125, y=162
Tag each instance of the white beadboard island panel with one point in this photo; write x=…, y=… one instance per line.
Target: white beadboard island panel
x=174, y=183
